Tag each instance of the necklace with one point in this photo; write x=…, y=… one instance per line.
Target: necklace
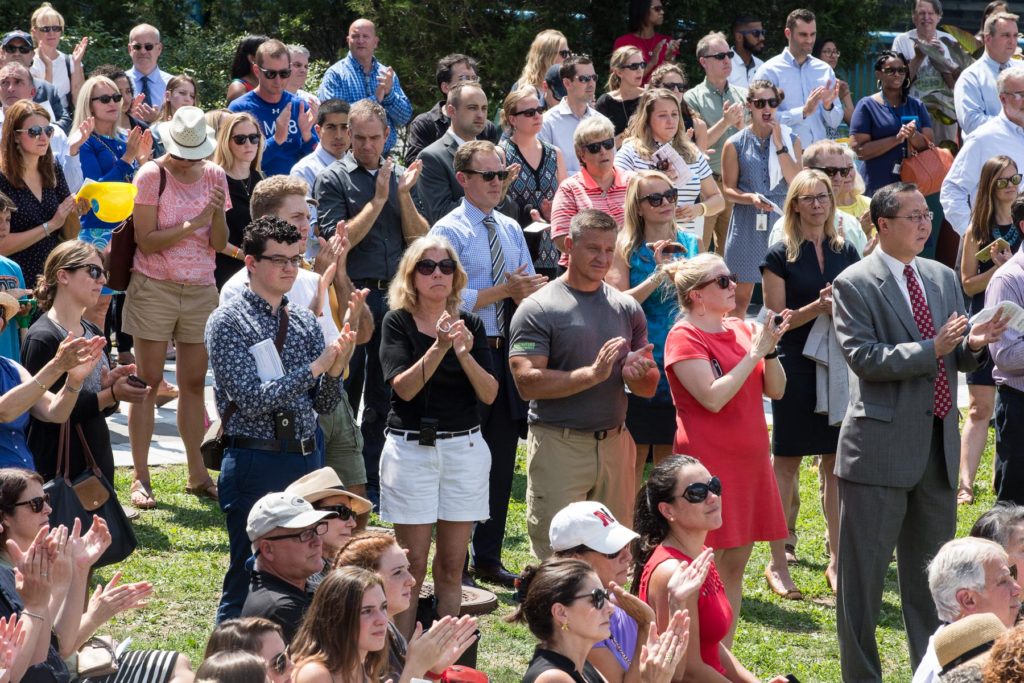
x=113, y=151
x=618, y=648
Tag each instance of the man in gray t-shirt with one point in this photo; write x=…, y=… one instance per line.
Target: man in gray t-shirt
x=575, y=346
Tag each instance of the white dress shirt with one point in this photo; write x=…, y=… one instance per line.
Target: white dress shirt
x=797, y=81
x=975, y=95
x=741, y=75
x=896, y=267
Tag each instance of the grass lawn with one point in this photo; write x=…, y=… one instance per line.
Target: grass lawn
x=183, y=551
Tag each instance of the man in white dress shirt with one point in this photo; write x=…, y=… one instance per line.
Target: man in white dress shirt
x=748, y=36
x=975, y=95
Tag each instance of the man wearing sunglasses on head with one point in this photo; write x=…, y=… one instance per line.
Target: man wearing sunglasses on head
x=18, y=47
x=580, y=82
x=810, y=85
x=287, y=539
x=493, y=252
x=148, y=79
x=286, y=122
x=748, y=37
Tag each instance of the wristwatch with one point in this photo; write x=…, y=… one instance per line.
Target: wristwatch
x=782, y=150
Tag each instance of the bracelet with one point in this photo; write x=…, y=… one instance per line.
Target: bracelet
x=236, y=252
x=46, y=228
x=703, y=208
x=773, y=354
x=33, y=615
x=39, y=384
x=113, y=396
x=72, y=389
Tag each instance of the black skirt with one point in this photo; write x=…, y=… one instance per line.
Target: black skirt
x=796, y=429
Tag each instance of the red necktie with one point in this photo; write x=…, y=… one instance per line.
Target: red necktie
x=923, y=318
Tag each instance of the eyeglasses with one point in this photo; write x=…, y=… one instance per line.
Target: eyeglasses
x=756, y=32
x=895, y=70
x=592, y=78
x=830, y=53
x=280, y=663
x=812, y=199
x=656, y=198
x=598, y=596
x=36, y=131
x=678, y=87
x=697, y=492
x=761, y=103
x=36, y=504
x=924, y=217
x=536, y=111
x=344, y=512
x=427, y=267
x=50, y=29
x=304, y=536
x=833, y=171
x=107, y=99
x=139, y=47
x=91, y=269
x=251, y=138
x=722, y=281
x=722, y=55
x=11, y=49
x=1003, y=183
x=595, y=147
x=488, y=176
x=636, y=66
x=565, y=54
x=282, y=261
x=271, y=74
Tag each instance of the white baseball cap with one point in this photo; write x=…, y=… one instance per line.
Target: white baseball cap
x=282, y=510
x=591, y=524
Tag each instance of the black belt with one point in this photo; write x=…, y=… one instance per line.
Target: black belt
x=495, y=342
x=415, y=436
x=303, y=447
x=371, y=283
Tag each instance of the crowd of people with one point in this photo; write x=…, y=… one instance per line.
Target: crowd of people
x=390, y=305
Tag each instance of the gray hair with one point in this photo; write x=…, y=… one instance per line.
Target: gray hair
x=998, y=523
x=960, y=564
x=301, y=49
x=1005, y=74
x=593, y=128
x=702, y=44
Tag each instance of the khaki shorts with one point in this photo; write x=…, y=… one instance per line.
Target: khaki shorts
x=157, y=310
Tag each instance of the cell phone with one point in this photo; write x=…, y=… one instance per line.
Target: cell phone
x=984, y=256
x=904, y=120
x=136, y=382
x=777, y=320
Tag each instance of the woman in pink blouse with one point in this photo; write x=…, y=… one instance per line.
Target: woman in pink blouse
x=179, y=227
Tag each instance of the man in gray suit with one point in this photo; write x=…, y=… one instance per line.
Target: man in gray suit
x=439, y=192
x=900, y=322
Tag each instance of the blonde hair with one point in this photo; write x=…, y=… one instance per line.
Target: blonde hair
x=215, y=117
x=639, y=130
x=269, y=194
x=45, y=10
x=619, y=59
x=222, y=154
x=511, y=103
x=805, y=181
x=83, y=105
x=631, y=237
x=689, y=274
x=541, y=55
x=402, y=294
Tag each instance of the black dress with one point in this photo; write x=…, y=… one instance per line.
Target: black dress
x=545, y=660
x=619, y=112
x=237, y=218
x=33, y=212
x=983, y=375
x=797, y=430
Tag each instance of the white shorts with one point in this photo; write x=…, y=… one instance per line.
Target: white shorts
x=424, y=484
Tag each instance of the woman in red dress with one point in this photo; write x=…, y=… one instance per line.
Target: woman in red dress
x=718, y=370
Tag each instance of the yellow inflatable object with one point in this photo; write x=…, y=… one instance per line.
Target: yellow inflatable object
x=110, y=202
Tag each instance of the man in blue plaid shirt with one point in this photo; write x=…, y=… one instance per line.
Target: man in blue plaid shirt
x=359, y=76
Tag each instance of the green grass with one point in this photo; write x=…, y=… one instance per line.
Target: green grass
x=183, y=551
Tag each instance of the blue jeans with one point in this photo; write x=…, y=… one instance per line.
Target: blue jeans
x=247, y=475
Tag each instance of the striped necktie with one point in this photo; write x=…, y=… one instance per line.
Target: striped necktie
x=497, y=271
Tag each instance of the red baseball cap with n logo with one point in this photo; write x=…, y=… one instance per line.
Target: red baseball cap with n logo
x=591, y=524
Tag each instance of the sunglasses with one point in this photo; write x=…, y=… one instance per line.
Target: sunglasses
x=344, y=512
x=678, y=87
x=536, y=111
x=895, y=70
x=280, y=663
x=271, y=74
x=488, y=176
x=722, y=281
x=252, y=138
x=598, y=597
x=11, y=49
x=698, y=491
x=36, y=504
x=636, y=66
x=833, y=171
x=756, y=32
x=1003, y=183
x=36, y=131
x=139, y=47
x=50, y=29
x=565, y=54
x=761, y=103
x=595, y=147
x=107, y=99
x=304, y=536
x=722, y=55
x=92, y=270
x=427, y=267
x=592, y=78
x=656, y=198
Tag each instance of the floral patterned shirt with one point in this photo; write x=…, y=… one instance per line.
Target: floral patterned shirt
x=247, y=320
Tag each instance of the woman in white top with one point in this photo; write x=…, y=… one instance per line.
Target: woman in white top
x=64, y=71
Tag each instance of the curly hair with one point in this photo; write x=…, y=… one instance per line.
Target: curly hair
x=1005, y=665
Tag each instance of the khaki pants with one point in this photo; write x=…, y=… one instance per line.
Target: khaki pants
x=717, y=226
x=565, y=466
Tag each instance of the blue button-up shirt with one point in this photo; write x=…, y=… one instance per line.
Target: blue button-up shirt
x=559, y=128
x=308, y=168
x=346, y=80
x=975, y=95
x=157, y=85
x=247, y=320
x=797, y=81
x=996, y=136
x=464, y=228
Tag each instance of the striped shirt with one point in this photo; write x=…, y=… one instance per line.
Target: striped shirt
x=629, y=159
x=579, y=191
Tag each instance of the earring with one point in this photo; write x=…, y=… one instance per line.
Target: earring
x=878, y=84
x=565, y=625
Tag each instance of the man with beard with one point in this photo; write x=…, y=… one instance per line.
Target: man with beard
x=748, y=37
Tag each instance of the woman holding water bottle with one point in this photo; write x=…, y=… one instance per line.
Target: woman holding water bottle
x=239, y=152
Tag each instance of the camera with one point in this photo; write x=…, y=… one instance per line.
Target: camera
x=428, y=431
x=777, y=320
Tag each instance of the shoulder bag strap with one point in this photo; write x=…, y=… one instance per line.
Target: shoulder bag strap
x=282, y=332
x=90, y=461
x=63, y=457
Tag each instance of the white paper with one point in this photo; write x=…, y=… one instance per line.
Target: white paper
x=268, y=361
x=775, y=207
x=537, y=227
x=668, y=153
x=1009, y=310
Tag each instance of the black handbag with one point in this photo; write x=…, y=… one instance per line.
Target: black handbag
x=89, y=494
